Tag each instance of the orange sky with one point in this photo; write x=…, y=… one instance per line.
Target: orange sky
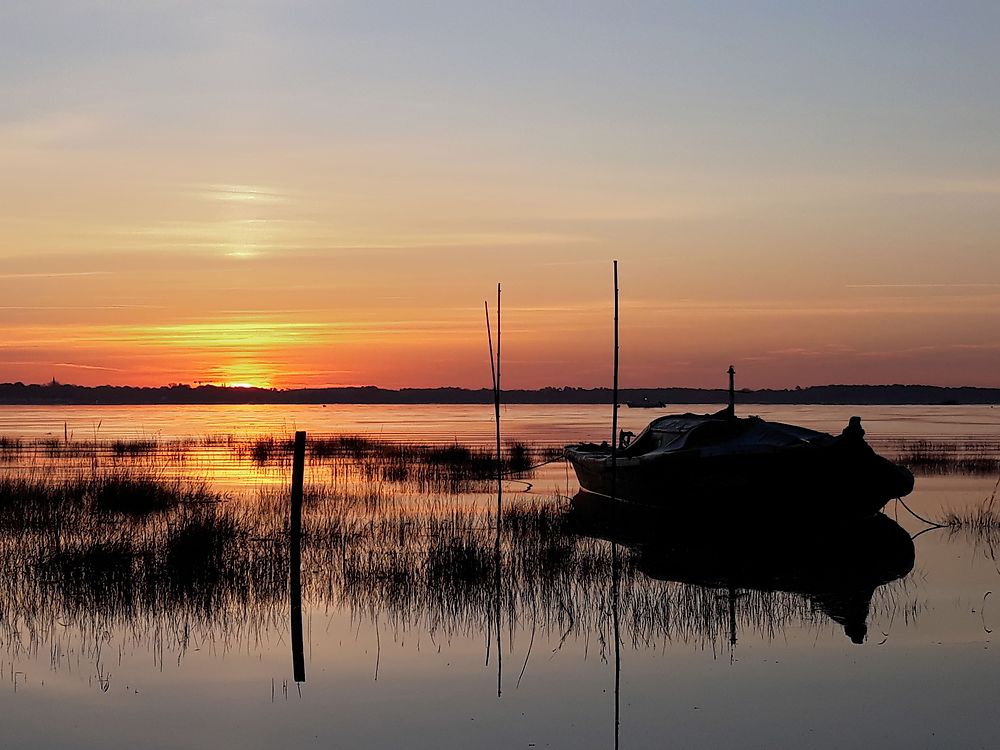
x=257, y=197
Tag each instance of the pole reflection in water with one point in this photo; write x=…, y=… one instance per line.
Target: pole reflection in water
x=295, y=558
x=616, y=621
x=497, y=597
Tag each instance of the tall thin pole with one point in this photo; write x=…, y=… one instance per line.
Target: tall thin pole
x=615, y=563
x=495, y=372
x=496, y=408
x=499, y=559
x=489, y=341
x=614, y=401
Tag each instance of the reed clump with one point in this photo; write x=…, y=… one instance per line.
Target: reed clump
x=939, y=457
x=10, y=448
x=133, y=492
x=133, y=448
x=265, y=449
x=199, y=560
x=450, y=467
x=94, y=575
x=37, y=500
x=982, y=518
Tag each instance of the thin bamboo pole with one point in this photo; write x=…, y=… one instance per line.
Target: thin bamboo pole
x=615, y=561
x=499, y=559
x=496, y=405
x=495, y=373
x=614, y=400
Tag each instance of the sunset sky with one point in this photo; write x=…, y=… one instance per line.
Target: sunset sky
x=324, y=193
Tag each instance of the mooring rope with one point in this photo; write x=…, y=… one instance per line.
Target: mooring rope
x=528, y=486
x=525, y=470
x=919, y=517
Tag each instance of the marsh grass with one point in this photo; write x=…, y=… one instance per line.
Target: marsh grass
x=139, y=447
x=979, y=523
x=127, y=491
x=426, y=467
x=450, y=467
x=124, y=547
x=10, y=448
x=414, y=562
x=41, y=500
x=939, y=457
x=983, y=517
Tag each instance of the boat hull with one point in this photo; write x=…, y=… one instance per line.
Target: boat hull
x=837, y=481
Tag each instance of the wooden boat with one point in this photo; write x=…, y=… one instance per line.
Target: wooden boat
x=747, y=468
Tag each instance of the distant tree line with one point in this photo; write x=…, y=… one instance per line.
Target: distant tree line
x=58, y=393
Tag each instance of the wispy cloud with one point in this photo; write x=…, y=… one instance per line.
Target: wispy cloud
x=82, y=307
x=53, y=363
x=963, y=186
x=251, y=194
x=30, y=137
x=79, y=366
x=954, y=285
x=51, y=275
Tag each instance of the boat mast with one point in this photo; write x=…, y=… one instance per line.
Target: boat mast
x=732, y=391
x=614, y=398
x=615, y=563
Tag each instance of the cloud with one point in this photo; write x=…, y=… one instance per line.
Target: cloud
x=247, y=194
x=49, y=132
x=957, y=285
x=51, y=275
x=53, y=363
x=965, y=186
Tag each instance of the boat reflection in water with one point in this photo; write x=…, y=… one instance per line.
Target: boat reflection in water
x=837, y=569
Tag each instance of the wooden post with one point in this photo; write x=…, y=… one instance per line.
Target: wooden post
x=295, y=557
x=298, y=472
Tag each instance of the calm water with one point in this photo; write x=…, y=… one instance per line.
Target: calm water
x=417, y=665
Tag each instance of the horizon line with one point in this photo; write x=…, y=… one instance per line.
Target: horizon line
x=253, y=388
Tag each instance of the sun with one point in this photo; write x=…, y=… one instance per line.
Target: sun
x=243, y=373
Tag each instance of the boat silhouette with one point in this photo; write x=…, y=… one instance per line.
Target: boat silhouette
x=746, y=468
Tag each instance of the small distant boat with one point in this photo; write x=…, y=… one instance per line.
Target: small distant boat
x=646, y=404
x=722, y=464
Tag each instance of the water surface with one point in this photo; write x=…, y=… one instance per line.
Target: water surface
x=394, y=659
